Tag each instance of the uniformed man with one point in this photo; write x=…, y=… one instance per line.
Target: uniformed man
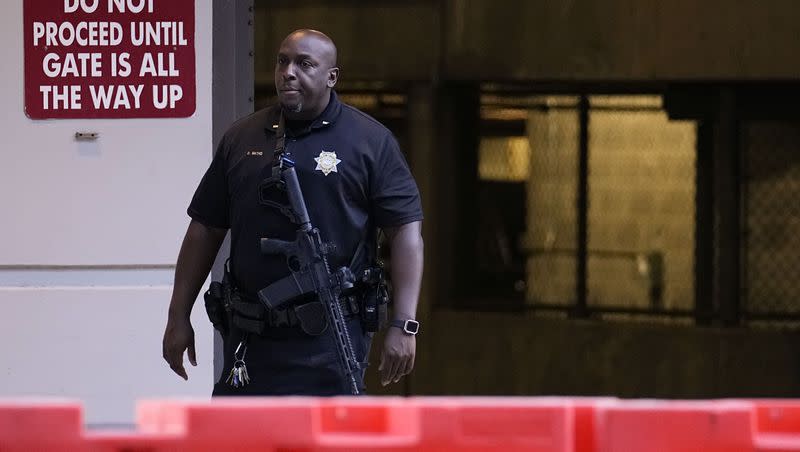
x=355, y=181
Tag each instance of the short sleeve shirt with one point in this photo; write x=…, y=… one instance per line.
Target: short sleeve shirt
x=352, y=174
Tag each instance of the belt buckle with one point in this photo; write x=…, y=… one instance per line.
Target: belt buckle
x=279, y=318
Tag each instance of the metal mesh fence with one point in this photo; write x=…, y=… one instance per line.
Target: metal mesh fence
x=640, y=231
x=552, y=186
x=771, y=153
x=641, y=205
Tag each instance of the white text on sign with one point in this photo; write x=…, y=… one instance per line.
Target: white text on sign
x=120, y=6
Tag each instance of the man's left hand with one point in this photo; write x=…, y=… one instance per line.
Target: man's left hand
x=397, y=358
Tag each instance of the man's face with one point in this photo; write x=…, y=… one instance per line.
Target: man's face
x=304, y=75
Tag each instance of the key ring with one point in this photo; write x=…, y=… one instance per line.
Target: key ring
x=239, y=347
x=238, y=376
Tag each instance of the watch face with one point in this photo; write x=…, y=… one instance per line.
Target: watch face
x=411, y=327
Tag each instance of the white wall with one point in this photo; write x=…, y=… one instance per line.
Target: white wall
x=73, y=322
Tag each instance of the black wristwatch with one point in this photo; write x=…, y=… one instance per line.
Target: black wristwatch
x=409, y=326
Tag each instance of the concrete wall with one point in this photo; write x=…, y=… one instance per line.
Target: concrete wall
x=376, y=40
x=89, y=236
x=652, y=40
x=463, y=353
x=545, y=40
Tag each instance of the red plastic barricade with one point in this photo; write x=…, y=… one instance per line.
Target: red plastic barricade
x=679, y=426
x=31, y=425
x=708, y=426
x=423, y=424
x=280, y=424
x=777, y=425
x=366, y=424
x=304, y=425
x=494, y=424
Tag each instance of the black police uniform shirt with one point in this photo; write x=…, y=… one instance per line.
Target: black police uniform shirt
x=354, y=179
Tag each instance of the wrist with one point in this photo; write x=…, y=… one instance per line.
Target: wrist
x=407, y=326
x=403, y=315
x=178, y=315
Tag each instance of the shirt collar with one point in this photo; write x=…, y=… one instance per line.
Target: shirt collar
x=325, y=119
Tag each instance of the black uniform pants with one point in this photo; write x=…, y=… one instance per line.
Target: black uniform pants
x=287, y=361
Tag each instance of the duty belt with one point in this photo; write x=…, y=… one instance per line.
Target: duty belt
x=248, y=314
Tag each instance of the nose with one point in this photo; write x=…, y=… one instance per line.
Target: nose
x=287, y=71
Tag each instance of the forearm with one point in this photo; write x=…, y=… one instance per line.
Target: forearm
x=195, y=259
x=406, y=245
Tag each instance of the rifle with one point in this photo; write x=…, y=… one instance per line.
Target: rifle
x=307, y=257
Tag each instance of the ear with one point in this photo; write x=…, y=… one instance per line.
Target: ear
x=333, y=76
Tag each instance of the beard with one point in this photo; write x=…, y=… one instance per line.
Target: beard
x=292, y=108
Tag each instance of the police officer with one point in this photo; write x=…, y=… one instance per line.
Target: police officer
x=355, y=181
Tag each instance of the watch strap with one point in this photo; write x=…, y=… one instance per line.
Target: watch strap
x=402, y=325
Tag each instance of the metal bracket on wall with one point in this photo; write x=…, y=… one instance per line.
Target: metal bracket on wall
x=86, y=136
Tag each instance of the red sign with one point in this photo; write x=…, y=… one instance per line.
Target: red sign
x=109, y=58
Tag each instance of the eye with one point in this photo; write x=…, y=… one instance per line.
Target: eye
x=281, y=60
x=306, y=64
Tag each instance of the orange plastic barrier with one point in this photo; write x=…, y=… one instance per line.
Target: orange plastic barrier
x=658, y=426
x=305, y=424
x=425, y=424
x=777, y=425
x=709, y=426
x=367, y=424
x=31, y=425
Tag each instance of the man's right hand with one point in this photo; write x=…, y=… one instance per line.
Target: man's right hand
x=179, y=336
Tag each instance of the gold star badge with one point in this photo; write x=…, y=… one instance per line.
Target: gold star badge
x=326, y=162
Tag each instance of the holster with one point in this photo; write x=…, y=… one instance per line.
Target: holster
x=217, y=307
x=375, y=300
